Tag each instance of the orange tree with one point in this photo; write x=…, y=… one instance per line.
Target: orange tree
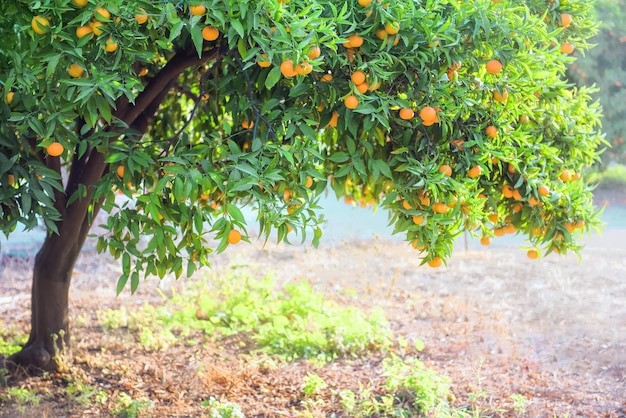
x=451, y=115
x=605, y=67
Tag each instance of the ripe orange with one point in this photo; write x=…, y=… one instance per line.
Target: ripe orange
x=210, y=33
x=315, y=52
x=365, y=3
x=406, y=113
x=351, y=102
x=507, y=191
x=418, y=219
x=575, y=176
x=75, y=70
x=79, y=3
x=499, y=232
x=234, y=236
x=493, y=218
x=40, y=24
x=9, y=97
x=435, y=262
x=246, y=124
x=565, y=175
x=532, y=254
x=416, y=244
x=517, y=207
x=517, y=195
x=309, y=182
x=381, y=34
x=485, y=240
x=110, y=45
x=440, y=208
x=358, y=77
x=493, y=67
x=263, y=61
x=446, y=169
x=474, y=172
x=142, y=17
x=96, y=27
x=428, y=115
x=362, y=88
x=287, y=69
x=55, y=149
x=197, y=10
x=82, y=31
x=567, y=48
x=334, y=119
x=509, y=229
x=120, y=170
x=543, y=190
x=392, y=28
x=502, y=98
x=566, y=20
x=102, y=14
x=407, y=205
x=304, y=68
x=491, y=131
x=204, y=97
x=354, y=41
x=533, y=201
x=326, y=78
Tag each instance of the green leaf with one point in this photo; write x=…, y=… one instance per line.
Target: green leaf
x=121, y=282
x=272, y=78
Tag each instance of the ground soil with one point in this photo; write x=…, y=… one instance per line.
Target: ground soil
x=552, y=330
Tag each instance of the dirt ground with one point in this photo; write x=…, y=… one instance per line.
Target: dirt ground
x=495, y=322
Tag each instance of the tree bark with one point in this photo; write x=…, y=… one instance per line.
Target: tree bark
x=47, y=348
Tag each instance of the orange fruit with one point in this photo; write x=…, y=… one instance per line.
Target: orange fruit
x=485, y=240
x=406, y=205
x=79, y=3
x=142, y=17
x=392, y=28
x=234, y=236
x=120, y=170
x=326, y=78
x=82, y=31
x=517, y=207
x=96, y=27
x=197, y=10
x=493, y=67
x=110, y=45
x=566, y=20
x=362, y=88
x=418, y=219
x=246, y=124
x=416, y=244
x=365, y=3
x=210, y=33
x=40, y=24
x=543, y=190
x=499, y=232
x=502, y=98
x=102, y=14
x=507, y=191
x=567, y=48
x=493, y=218
x=315, y=52
x=358, y=77
x=334, y=118
x=565, y=176
x=354, y=41
x=435, y=262
x=263, y=61
x=287, y=69
x=428, y=115
x=75, y=70
x=351, y=102
x=55, y=149
x=205, y=97
x=374, y=86
x=381, y=34
x=532, y=254
x=303, y=68
x=474, y=172
x=509, y=229
x=533, y=201
x=491, y=131
x=9, y=97
x=440, y=208
x=406, y=113
x=309, y=182
x=446, y=169
x=517, y=195
x=524, y=119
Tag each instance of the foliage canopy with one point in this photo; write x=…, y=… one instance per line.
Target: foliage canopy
x=463, y=120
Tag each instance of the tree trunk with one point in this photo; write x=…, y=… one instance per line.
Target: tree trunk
x=48, y=345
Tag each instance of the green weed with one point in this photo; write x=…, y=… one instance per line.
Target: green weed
x=22, y=398
x=219, y=409
x=11, y=340
x=129, y=407
x=313, y=384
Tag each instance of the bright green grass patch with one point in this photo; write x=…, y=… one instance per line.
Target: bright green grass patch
x=614, y=176
x=11, y=340
x=293, y=322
